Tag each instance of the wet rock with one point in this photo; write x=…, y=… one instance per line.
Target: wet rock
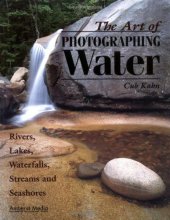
x=4, y=80
x=12, y=93
x=89, y=170
x=18, y=84
x=132, y=179
x=8, y=103
x=22, y=97
x=39, y=146
x=44, y=40
x=19, y=75
x=16, y=88
x=118, y=91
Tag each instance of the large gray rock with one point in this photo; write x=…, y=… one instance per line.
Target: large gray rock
x=108, y=86
x=132, y=179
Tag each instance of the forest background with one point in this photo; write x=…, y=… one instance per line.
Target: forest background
x=23, y=21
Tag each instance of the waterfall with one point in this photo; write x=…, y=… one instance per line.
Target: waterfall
x=39, y=94
x=39, y=100
x=36, y=56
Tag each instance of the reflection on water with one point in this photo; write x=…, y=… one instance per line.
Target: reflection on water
x=148, y=147
x=101, y=137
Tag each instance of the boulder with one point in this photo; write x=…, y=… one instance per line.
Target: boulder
x=131, y=73
x=17, y=85
x=18, y=91
x=20, y=75
x=132, y=179
x=16, y=88
x=8, y=103
x=22, y=97
x=44, y=40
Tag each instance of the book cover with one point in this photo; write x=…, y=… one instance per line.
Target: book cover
x=84, y=109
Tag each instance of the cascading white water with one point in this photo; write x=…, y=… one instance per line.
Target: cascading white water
x=36, y=56
x=39, y=94
x=38, y=101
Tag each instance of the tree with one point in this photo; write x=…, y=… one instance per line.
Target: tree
x=22, y=22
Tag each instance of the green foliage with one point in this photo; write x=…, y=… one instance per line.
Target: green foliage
x=22, y=21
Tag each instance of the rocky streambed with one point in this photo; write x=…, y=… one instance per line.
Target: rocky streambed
x=64, y=140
